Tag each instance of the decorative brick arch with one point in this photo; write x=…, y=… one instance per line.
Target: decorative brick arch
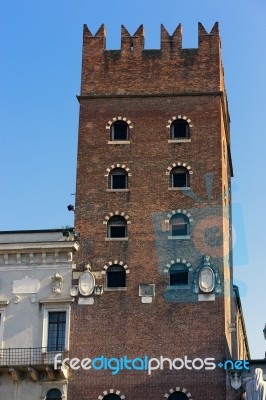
x=179, y=117
x=116, y=214
x=179, y=164
x=111, y=391
x=115, y=262
x=178, y=389
x=177, y=261
x=179, y=211
x=109, y=124
x=114, y=166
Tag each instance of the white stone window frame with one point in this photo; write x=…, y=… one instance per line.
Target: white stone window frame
x=104, y=273
x=109, y=170
x=176, y=165
x=111, y=391
x=179, y=261
x=116, y=214
x=2, y=322
x=54, y=308
x=109, y=125
x=168, y=127
x=167, y=223
x=178, y=389
x=46, y=386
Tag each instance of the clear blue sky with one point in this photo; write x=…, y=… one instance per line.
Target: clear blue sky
x=40, y=45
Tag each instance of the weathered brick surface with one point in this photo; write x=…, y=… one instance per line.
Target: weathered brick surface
x=149, y=88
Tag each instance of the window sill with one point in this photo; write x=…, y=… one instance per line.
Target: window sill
x=177, y=287
x=179, y=188
x=124, y=239
x=115, y=289
x=179, y=237
x=118, y=190
x=118, y=141
x=178, y=140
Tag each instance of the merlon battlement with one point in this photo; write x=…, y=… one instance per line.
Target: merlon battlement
x=133, y=69
x=135, y=42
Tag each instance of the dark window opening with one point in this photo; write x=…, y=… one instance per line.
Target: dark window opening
x=117, y=227
x=118, y=179
x=116, y=276
x=179, y=129
x=179, y=177
x=119, y=130
x=178, y=275
x=179, y=225
x=178, y=396
x=54, y=394
x=56, y=331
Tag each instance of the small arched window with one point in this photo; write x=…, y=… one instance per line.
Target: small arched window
x=117, y=227
x=111, y=396
x=178, y=396
x=179, y=129
x=118, y=179
x=54, y=394
x=116, y=276
x=179, y=177
x=119, y=131
x=178, y=274
x=179, y=225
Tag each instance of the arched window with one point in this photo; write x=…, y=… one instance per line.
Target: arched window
x=119, y=131
x=54, y=394
x=179, y=225
x=178, y=274
x=179, y=129
x=118, y=179
x=178, y=396
x=179, y=177
x=116, y=276
x=111, y=396
x=117, y=227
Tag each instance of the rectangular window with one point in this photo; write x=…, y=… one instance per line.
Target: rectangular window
x=56, y=331
x=180, y=179
x=118, y=182
x=1, y=328
x=117, y=231
x=179, y=229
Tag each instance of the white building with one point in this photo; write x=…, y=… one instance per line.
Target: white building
x=35, y=304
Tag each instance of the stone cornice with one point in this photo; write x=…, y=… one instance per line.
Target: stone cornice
x=29, y=247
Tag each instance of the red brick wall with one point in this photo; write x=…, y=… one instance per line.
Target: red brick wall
x=148, y=88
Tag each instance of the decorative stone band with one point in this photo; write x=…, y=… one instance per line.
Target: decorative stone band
x=179, y=211
x=113, y=166
x=108, y=126
x=179, y=117
x=115, y=262
x=116, y=213
x=111, y=391
x=177, y=261
x=179, y=164
x=178, y=389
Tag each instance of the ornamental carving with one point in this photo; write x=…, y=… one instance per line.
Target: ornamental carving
x=86, y=283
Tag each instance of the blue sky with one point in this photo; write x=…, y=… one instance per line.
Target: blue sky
x=40, y=51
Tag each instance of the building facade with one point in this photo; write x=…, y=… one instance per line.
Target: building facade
x=153, y=209
x=35, y=303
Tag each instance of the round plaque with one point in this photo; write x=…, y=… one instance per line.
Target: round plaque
x=206, y=280
x=86, y=283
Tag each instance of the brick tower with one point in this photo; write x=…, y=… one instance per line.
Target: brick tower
x=153, y=213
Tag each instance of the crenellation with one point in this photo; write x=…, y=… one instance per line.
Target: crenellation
x=133, y=67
